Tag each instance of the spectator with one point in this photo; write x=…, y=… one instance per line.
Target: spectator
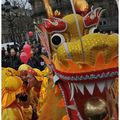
x=35, y=61
x=8, y=48
x=32, y=60
x=18, y=54
x=37, y=49
x=14, y=47
x=14, y=60
x=3, y=52
x=5, y=59
x=37, y=55
x=21, y=46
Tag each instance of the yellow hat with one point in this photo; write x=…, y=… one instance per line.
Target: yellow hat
x=12, y=71
x=39, y=73
x=5, y=73
x=12, y=83
x=12, y=87
x=24, y=67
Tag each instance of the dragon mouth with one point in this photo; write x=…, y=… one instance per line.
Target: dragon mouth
x=76, y=96
x=79, y=84
x=79, y=87
x=76, y=92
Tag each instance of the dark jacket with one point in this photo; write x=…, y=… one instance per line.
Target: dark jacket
x=14, y=62
x=36, y=62
x=5, y=61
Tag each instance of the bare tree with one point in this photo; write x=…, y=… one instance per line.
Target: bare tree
x=18, y=19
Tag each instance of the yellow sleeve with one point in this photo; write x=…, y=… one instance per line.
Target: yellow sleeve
x=27, y=112
x=33, y=98
x=12, y=114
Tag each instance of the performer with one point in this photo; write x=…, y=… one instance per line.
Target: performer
x=10, y=108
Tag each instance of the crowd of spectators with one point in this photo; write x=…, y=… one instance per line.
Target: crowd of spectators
x=11, y=56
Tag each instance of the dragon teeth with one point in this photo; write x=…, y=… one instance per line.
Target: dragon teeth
x=81, y=87
x=109, y=83
x=55, y=78
x=72, y=91
x=72, y=107
x=90, y=87
x=75, y=85
x=101, y=85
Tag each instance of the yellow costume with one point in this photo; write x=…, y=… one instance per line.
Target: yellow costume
x=51, y=109
x=27, y=112
x=10, y=109
x=6, y=72
x=33, y=97
x=24, y=67
x=37, y=93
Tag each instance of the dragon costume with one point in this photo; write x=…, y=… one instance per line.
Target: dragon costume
x=85, y=73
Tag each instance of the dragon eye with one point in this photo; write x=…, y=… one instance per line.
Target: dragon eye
x=57, y=39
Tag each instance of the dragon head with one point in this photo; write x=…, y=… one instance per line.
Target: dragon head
x=84, y=72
